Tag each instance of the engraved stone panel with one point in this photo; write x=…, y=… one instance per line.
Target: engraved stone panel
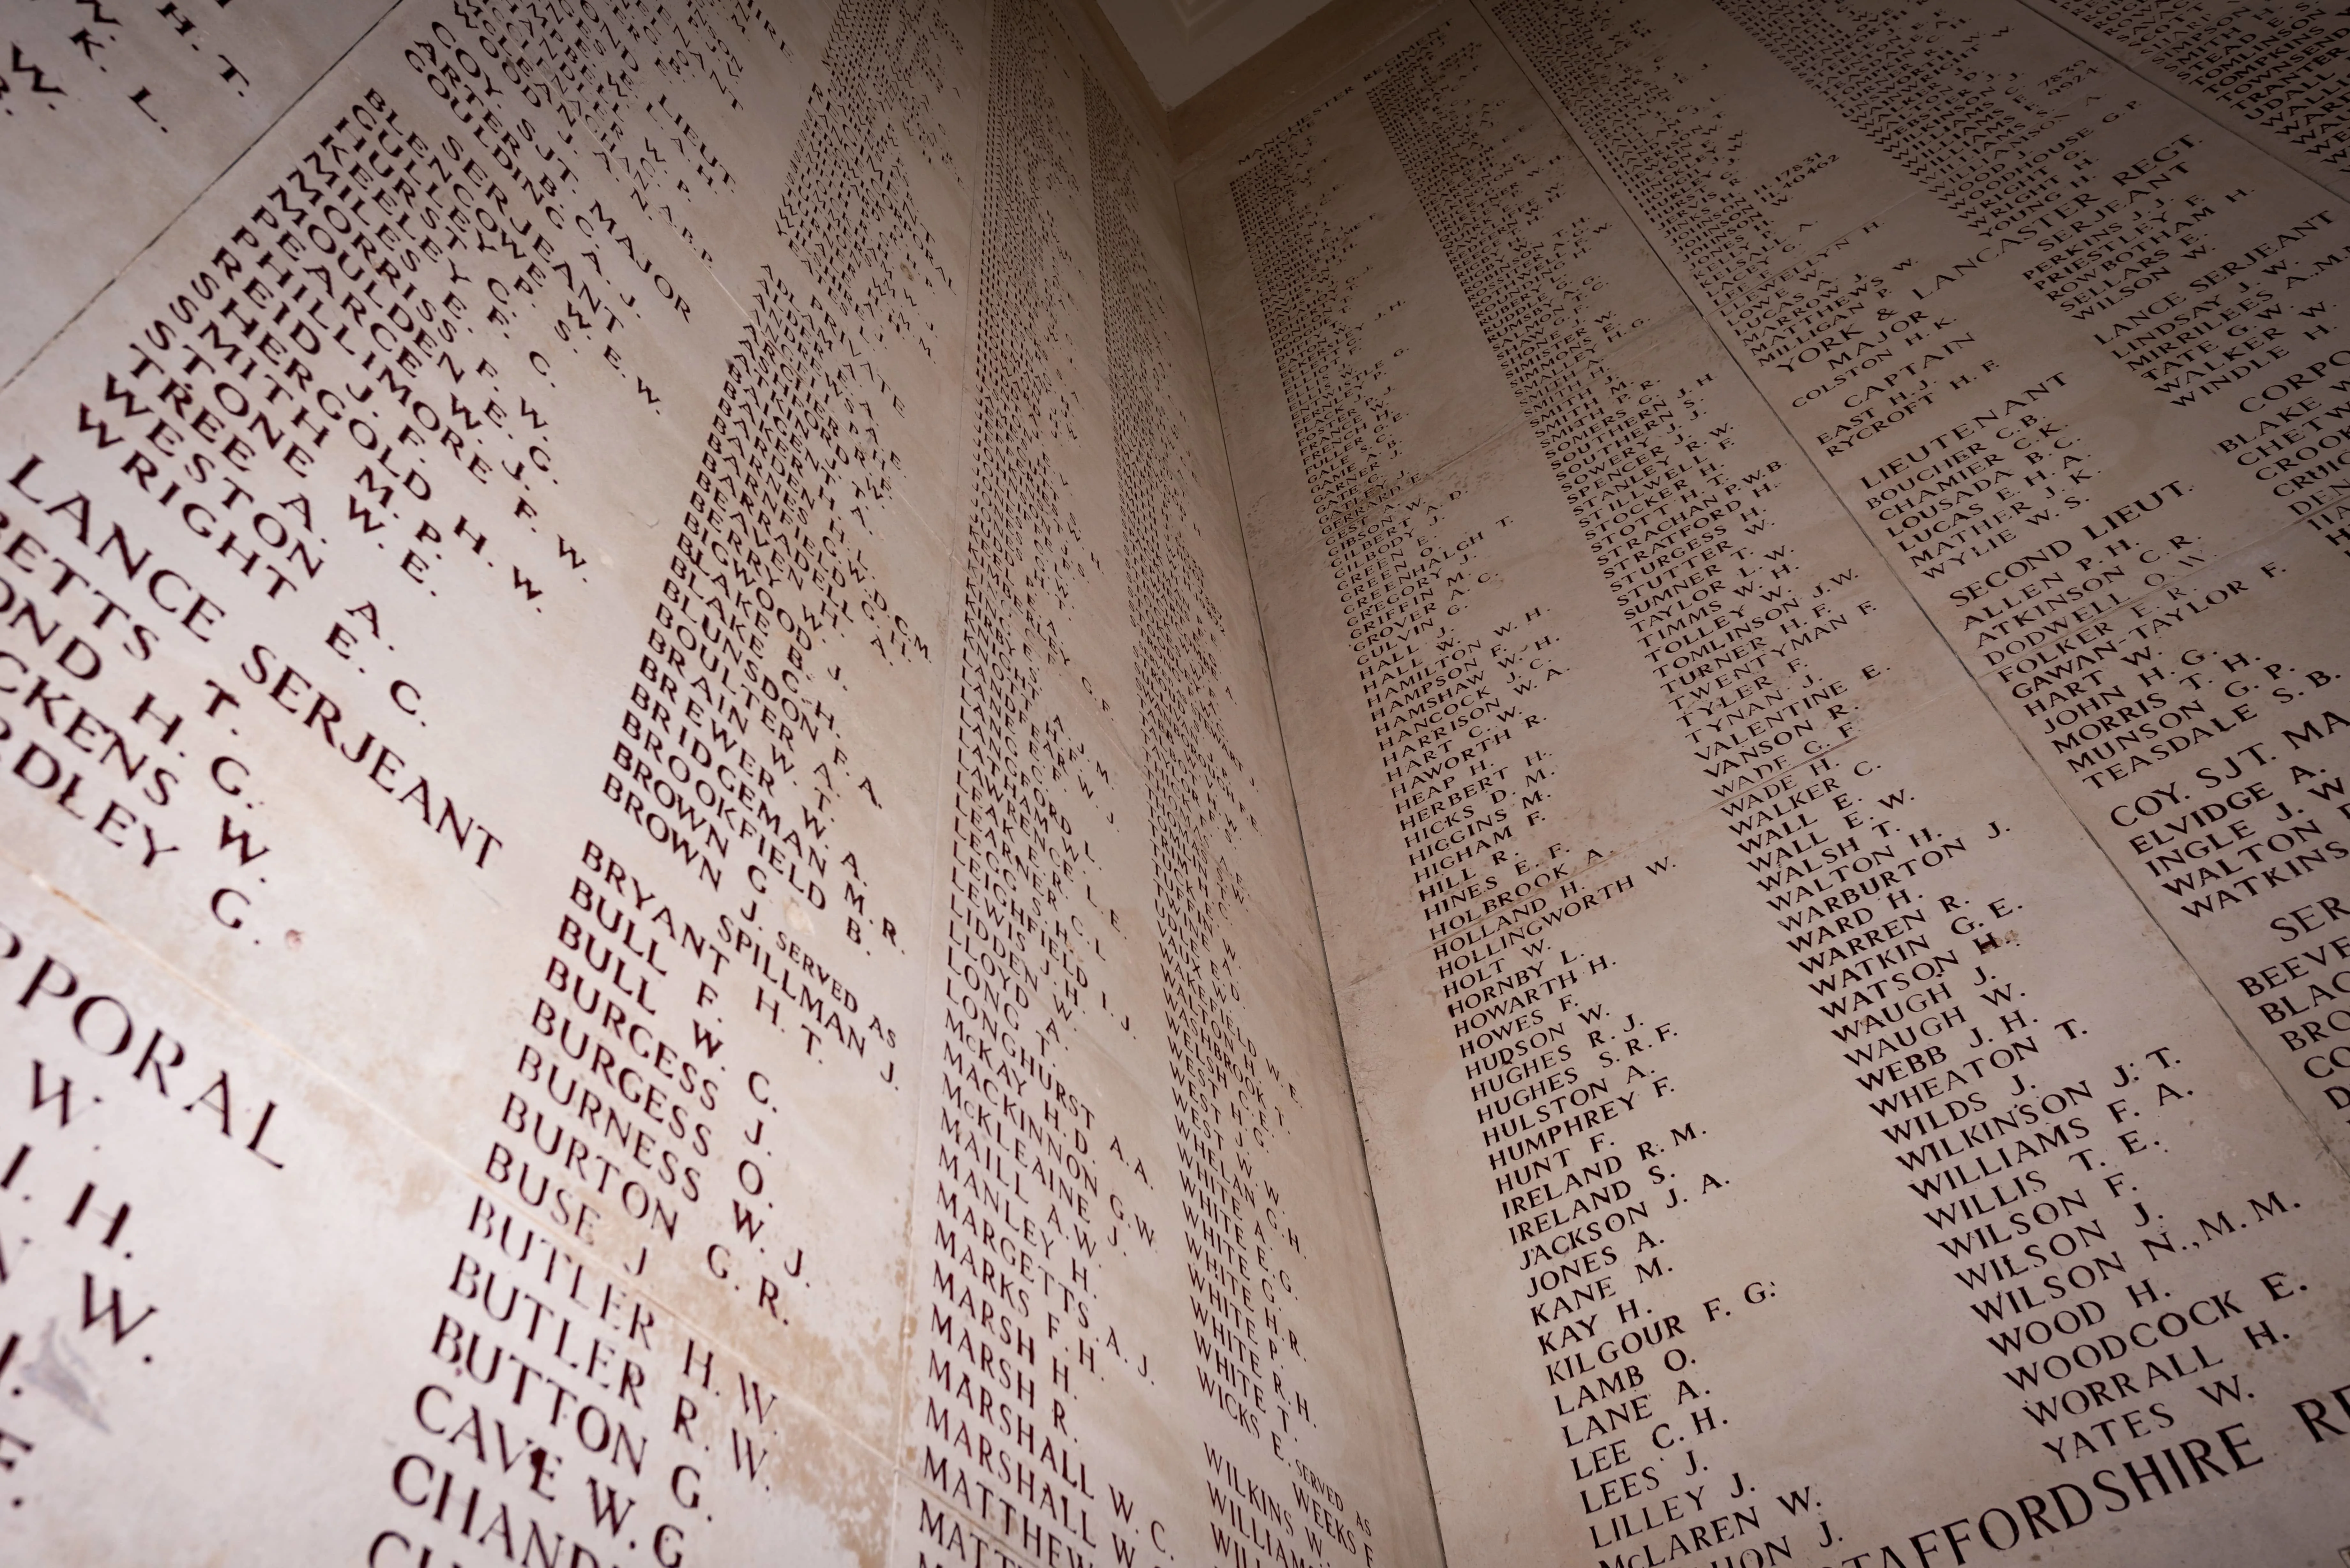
x=763, y=802
x=1844, y=535
x=636, y=739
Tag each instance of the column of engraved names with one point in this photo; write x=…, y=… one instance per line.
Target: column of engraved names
x=1231, y=1099
x=1425, y=684
x=849, y=210
x=308, y=396
x=248, y=430
x=1817, y=849
x=280, y=380
x=1866, y=898
x=1809, y=311
x=2211, y=277
x=770, y=598
x=116, y=119
x=1637, y=127
x=2280, y=68
x=1662, y=515
x=628, y=1133
x=2188, y=280
x=2214, y=292
x=729, y=905
x=1566, y=1198
x=2108, y=235
x=730, y=757
x=1009, y=1312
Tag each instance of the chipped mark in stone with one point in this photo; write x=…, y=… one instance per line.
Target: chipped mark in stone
x=61, y=1373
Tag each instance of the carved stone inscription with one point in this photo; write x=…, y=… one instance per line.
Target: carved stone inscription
x=2274, y=73
x=117, y=117
x=1714, y=769
x=675, y=894
x=1126, y=1341
x=2150, y=299
x=653, y=914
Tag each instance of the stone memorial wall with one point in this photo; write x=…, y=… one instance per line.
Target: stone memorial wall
x=767, y=801
x=1802, y=550
x=653, y=916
